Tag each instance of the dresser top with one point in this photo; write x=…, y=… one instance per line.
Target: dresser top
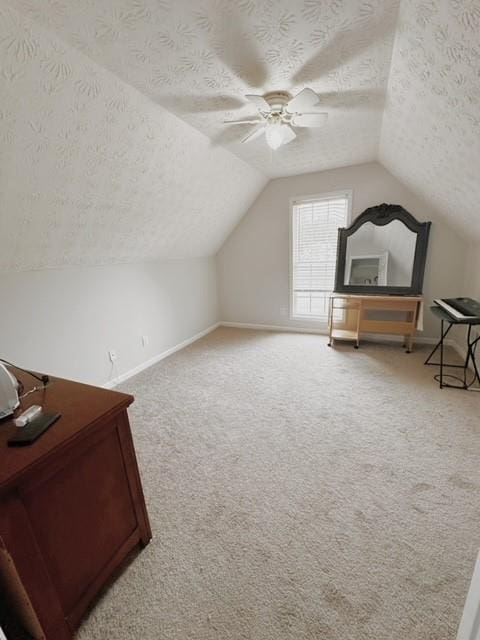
x=373, y=296
x=81, y=406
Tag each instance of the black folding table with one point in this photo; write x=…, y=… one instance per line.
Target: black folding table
x=472, y=341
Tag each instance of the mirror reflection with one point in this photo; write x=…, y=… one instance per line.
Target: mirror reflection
x=380, y=256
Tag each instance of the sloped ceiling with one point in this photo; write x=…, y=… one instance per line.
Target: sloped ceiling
x=431, y=127
x=93, y=172
x=104, y=106
x=200, y=57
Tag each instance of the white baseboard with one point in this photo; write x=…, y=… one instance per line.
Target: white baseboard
x=263, y=327
x=148, y=363
x=371, y=337
x=272, y=327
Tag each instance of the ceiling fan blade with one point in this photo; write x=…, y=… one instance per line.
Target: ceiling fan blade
x=288, y=134
x=310, y=119
x=224, y=136
x=253, y=121
x=303, y=101
x=259, y=101
x=253, y=135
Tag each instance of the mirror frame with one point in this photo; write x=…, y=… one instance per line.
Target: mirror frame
x=382, y=215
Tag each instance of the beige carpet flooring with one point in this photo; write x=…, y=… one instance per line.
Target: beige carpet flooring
x=298, y=492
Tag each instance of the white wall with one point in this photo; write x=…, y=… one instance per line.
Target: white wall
x=253, y=264
x=472, y=288
x=64, y=321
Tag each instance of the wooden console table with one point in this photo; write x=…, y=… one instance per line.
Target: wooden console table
x=350, y=315
x=71, y=506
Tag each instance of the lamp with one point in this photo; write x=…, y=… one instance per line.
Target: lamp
x=275, y=135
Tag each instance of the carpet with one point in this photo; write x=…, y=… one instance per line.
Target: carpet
x=298, y=492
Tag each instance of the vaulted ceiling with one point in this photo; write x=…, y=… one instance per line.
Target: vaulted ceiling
x=112, y=142
x=199, y=59
x=93, y=172
x=431, y=126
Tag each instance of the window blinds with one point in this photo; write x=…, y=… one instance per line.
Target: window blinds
x=314, y=252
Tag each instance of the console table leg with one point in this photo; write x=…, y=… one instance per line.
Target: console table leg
x=441, y=355
x=409, y=343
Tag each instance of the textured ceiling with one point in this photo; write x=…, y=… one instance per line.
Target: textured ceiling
x=431, y=128
x=200, y=57
x=92, y=172
x=104, y=106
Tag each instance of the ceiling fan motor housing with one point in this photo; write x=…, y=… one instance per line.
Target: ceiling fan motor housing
x=277, y=99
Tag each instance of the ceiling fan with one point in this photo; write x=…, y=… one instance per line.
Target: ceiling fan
x=279, y=112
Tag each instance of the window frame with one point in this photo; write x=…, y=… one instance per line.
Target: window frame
x=348, y=193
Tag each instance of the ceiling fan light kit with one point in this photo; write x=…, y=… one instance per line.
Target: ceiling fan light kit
x=274, y=135
x=279, y=112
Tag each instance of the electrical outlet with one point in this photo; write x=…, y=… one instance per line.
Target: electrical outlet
x=112, y=355
x=145, y=341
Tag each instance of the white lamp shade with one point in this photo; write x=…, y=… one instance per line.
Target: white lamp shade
x=274, y=135
x=278, y=134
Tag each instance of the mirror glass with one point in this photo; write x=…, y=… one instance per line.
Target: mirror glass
x=380, y=256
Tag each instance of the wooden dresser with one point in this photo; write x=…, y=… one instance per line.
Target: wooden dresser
x=71, y=505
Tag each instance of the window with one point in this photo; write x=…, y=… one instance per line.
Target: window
x=315, y=223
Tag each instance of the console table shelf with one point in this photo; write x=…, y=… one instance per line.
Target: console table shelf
x=350, y=315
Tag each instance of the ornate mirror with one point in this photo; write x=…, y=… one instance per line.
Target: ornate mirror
x=382, y=252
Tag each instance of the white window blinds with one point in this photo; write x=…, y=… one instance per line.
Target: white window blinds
x=314, y=251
